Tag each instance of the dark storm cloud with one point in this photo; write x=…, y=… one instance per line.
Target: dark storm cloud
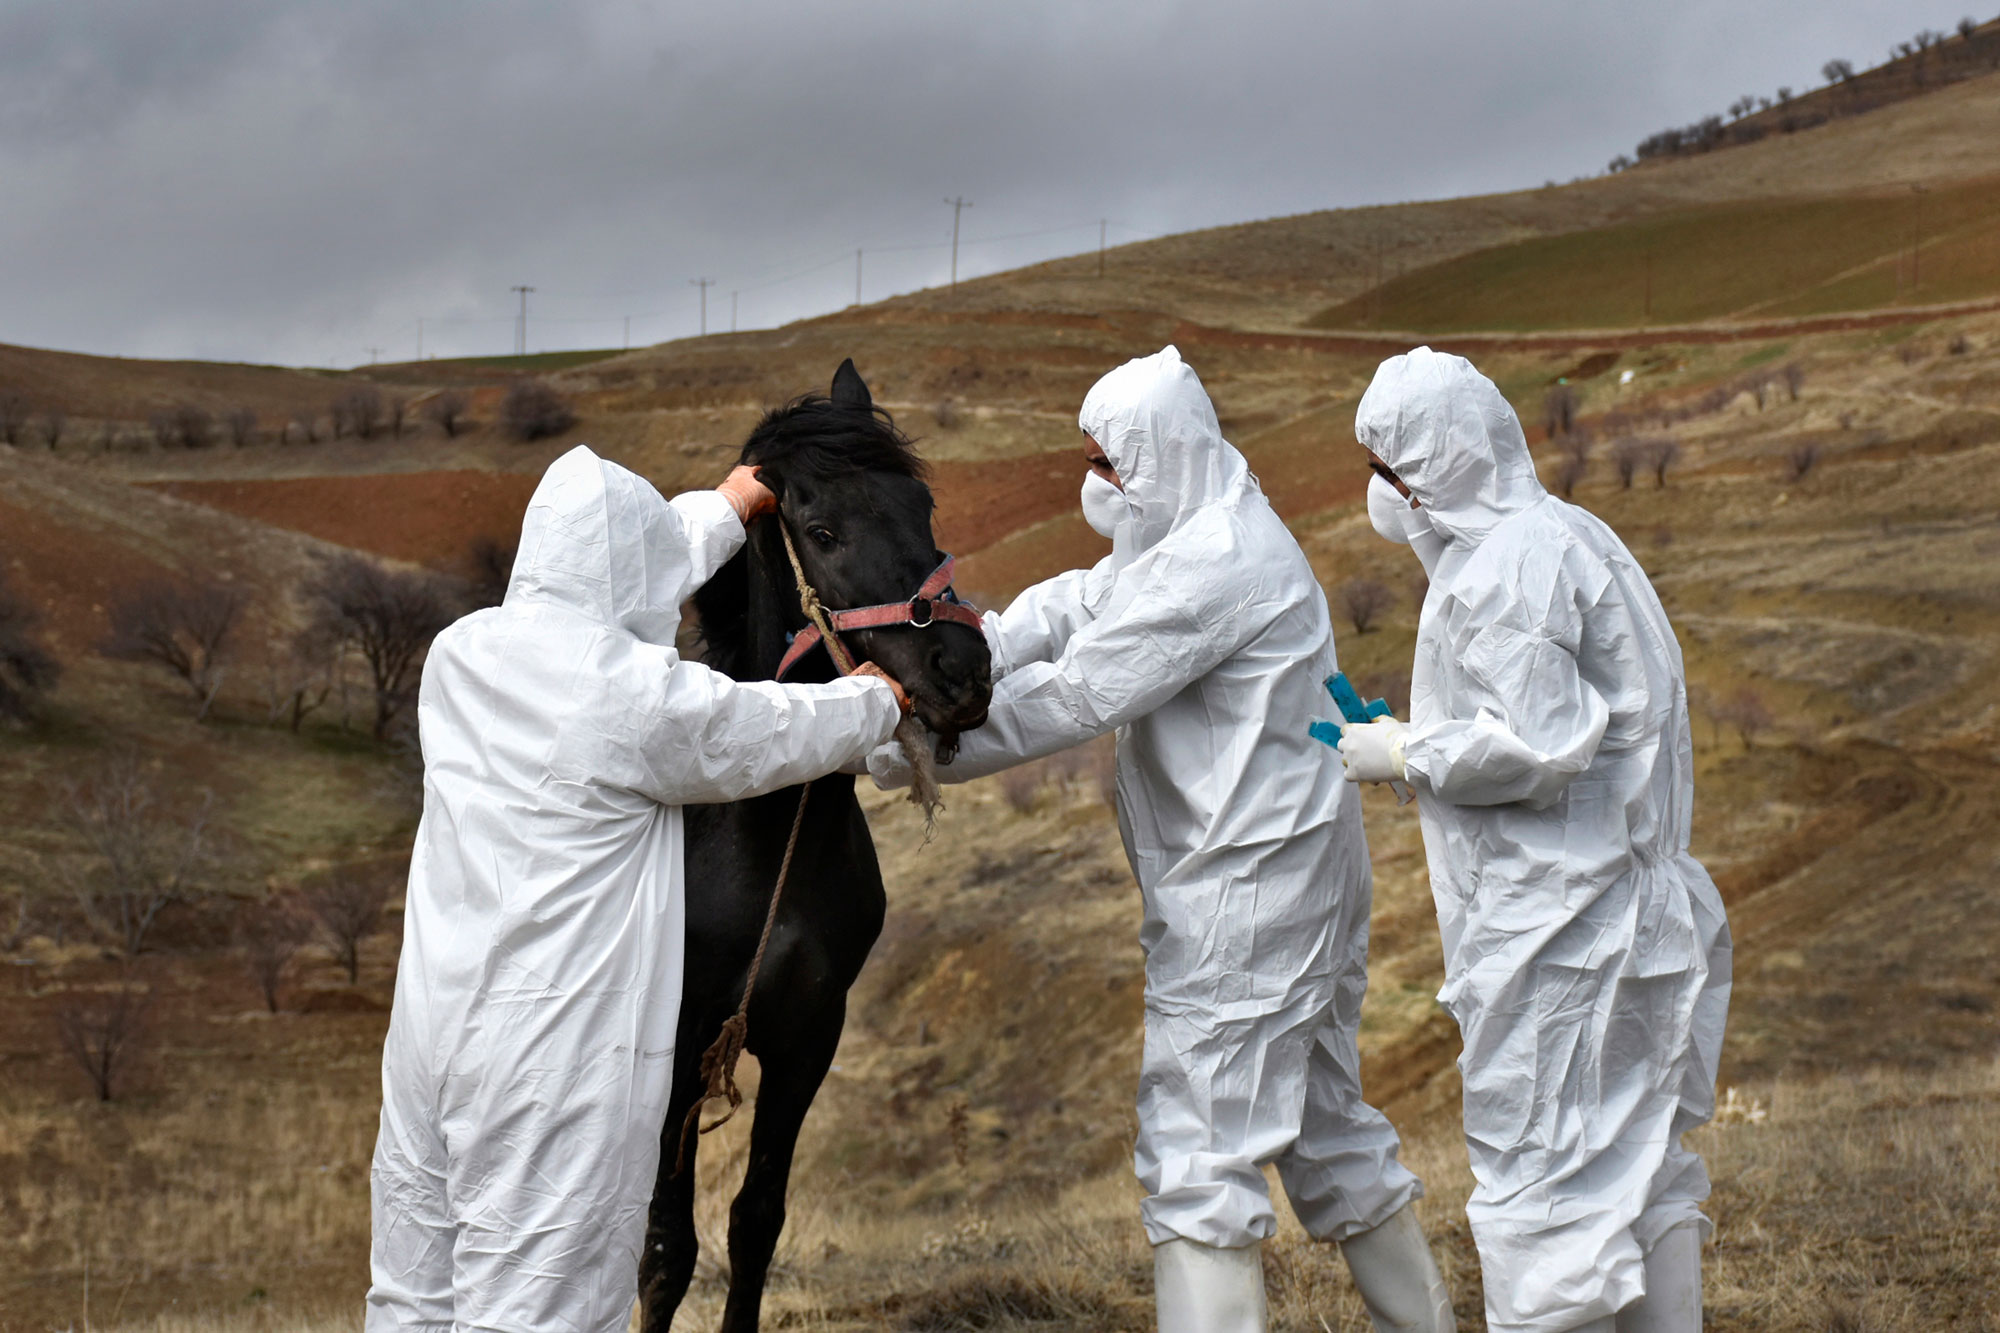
x=261, y=180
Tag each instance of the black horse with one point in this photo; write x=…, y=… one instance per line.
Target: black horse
x=853, y=494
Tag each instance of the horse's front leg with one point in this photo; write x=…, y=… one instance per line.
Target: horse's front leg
x=666, y=1265
x=793, y=1063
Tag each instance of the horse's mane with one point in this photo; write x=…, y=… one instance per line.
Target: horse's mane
x=815, y=436
x=812, y=436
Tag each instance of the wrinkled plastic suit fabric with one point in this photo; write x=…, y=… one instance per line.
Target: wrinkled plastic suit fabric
x=1202, y=641
x=530, y=1050
x=1587, y=959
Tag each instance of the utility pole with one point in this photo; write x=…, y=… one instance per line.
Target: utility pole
x=373, y=354
x=958, y=205
x=732, y=312
x=521, y=324
x=1100, y=247
x=857, y=277
x=704, y=284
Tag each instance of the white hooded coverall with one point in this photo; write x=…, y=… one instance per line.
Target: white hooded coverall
x=1202, y=639
x=1587, y=958
x=530, y=1051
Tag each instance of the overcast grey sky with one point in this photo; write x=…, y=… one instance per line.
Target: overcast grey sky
x=295, y=181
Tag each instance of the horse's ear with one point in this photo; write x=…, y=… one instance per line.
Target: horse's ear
x=849, y=388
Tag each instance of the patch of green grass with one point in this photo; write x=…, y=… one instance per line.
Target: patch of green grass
x=1744, y=260
x=1763, y=355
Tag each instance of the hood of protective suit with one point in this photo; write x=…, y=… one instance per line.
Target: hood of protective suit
x=601, y=541
x=1445, y=429
x=1154, y=422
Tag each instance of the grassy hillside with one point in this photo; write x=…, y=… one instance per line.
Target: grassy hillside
x=1787, y=257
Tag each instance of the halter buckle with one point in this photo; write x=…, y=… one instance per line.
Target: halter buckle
x=920, y=612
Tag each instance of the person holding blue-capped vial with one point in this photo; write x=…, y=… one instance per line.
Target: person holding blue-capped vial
x=1587, y=959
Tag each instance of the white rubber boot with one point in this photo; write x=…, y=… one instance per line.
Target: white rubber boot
x=1204, y=1289
x=1397, y=1277
x=1672, y=1303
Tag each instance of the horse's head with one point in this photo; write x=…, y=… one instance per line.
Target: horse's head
x=853, y=495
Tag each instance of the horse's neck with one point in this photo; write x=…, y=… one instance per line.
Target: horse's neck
x=749, y=643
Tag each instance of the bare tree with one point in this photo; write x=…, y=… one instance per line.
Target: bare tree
x=1569, y=472
x=194, y=428
x=447, y=411
x=1801, y=460
x=389, y=617
x=1365, y=600
x=308, y=423
x=13, y=415
x=104, y=1030
x=398, y=409
x=298, y=679
x=28, y=670
x=54, y=423
x=143, y=854
x=1795, y=379
x=347, y=907
x=1837, y=71
x=357, y=411
x=1662, y=455
x=533, y=410
x=182, y=625
x=490, y=565
x=1966, y=27
x=271, y=935
x=1746, y=712
x=1626, y=456
x=163, y=427
x=241, y=423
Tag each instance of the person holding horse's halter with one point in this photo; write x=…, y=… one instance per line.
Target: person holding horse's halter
x=1202, y=641
x=531, y=1048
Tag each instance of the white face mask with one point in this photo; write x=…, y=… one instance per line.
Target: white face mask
x=1387, y=510
x=1104, y=505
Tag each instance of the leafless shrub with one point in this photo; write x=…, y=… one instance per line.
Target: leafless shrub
x=1837, y=71
x=1795, y=379
x=533, y=410
x=1020, y=785
x=194, y=428
x=389, y=617
x=1909, y=353
x=143, y=854
x=1569, y=472
x=397, y=408
x=13, y=415
x=28, y=670
x=447, y=411
x=182, y=625
x=104, y=1031
x=54, y=423
x=161, y=424
x=357, y=411
x=307, y=423
x=945, y=413
x=1746, y=712
x=271, y=934
x=1662, y=455
x=1626, y=456
x=298, y=680
x=1365, y=600
x=347, y=908
x=1958, y=346
x=1559, y=411
x=241, y=423
x=1801, y=460
x=1967, y=26
x=489, y=566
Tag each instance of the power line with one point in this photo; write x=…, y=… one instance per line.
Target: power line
x=521, y=329
x=704, y=284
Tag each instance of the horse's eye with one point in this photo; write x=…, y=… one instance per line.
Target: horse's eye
x=821, y=537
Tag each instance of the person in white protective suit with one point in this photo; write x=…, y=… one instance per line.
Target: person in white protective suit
x=530, y=1050
x=1202, y=640
x=1587, y=959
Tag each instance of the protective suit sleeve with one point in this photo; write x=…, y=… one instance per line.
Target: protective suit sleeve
x=1038, y=624
x=1174, y=618
x=1535, y=721
x=708, y=738
x=711, y=532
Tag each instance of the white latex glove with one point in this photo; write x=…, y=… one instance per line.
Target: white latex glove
x=1373, y=751
x=888, y=765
